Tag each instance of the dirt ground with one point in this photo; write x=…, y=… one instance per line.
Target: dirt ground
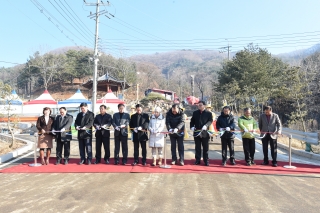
x=4, y=146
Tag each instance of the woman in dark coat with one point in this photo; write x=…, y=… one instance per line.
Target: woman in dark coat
x=44, y=126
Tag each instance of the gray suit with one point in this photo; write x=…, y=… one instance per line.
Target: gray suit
x=121, y=136
x=268, y=128
x=63, y=138
x=272, y=126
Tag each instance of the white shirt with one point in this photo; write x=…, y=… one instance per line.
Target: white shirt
x=46, y=119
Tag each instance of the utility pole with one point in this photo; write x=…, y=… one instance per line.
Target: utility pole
x=137, y=93
x=225, y=49
x=95, y=58
x=192, y=85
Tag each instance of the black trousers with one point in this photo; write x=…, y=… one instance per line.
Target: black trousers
x=204, y=142
x=273, y=146
x=124, y=147
x=85, y=145
x=225, y=143
x=249, y=148
x=106, y=145
x=60, y=146
x=174, y=139
x=136, y=145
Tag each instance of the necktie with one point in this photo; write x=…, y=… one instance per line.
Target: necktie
x=61, y=120
x=138, y=120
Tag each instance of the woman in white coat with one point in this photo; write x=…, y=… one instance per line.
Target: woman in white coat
x=156, y=125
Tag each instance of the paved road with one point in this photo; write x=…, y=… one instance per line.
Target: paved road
x=161, y=192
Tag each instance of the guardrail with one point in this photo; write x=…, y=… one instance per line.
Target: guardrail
x=308, y=137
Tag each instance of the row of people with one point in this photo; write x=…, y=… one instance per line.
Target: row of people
x=140, y=124
x=269, y=126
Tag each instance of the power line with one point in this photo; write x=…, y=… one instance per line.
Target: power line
x=36, y=23
x=42, y=9
x=68, y=21
x=78, y=18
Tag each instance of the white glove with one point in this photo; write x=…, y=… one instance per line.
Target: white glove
x=135, y=130
x=204, y=127
x=98, y=128
x=170, y=130
x=122, y=126
x=245, y=130
x=175, y=130
x=83, y=128
x=43, y=131
x=228, y=129
x=221, y=129
x=53, y=131
x=151, y=130
x=63, y=130
x=78, y=128
x=192, y=129
x=139, y=128
x=279, y=132
x=117, y=128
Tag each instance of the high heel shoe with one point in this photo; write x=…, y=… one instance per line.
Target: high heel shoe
x=47, y=161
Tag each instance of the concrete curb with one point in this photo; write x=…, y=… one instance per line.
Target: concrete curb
x=17, y=152
x=295, y=151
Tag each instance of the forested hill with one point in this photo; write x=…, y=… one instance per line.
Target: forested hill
x=187, y=59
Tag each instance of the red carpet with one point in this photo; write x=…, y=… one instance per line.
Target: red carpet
x=214, y=167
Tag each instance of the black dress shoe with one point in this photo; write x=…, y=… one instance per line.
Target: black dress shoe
x=116, y=162
x=97, y=162
x=144, y=164
x=265, y=163
x=124, y=163
x=275, y=165
x=66, y=162
x=134, y=163
x=107, y=162
x=248, y=163
x=81, y=162
x=196, y=162
x=89, y=162
x=206, y=163
x=233, y=163
x=253, y=163
x=57, y=162
x=224, y=163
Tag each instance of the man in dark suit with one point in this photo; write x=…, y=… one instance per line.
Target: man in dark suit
x=201, y=120
x=225, y=122
x=120, y=123
x=139, y=123
x=102, y=123
x=270, y=125
x=175, y=122
x=62, y=125
x=83, y=124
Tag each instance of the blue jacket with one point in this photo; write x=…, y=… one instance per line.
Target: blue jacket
x=226, y=121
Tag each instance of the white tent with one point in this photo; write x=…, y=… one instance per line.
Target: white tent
x=15, y=103
x=110, y=100
x=37, y=105
x=75, y=100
